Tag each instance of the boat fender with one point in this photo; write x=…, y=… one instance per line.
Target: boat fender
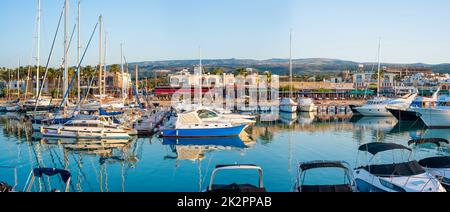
x=59, y=131
x=42, y=129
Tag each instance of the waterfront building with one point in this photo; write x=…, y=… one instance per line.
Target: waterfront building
x=321, y=90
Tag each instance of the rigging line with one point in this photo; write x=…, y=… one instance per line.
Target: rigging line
x=80, y=168
x=76, y=71
x=87, y=92
x=60, y=163
x=48, y=60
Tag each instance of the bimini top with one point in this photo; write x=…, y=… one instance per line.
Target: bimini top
x=398, y=170
x=436, y=141
x=436, y=162
x=375, y=148
x=322, y=164
x=65, y=175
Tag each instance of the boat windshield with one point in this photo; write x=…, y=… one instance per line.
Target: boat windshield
x=206, y=114
x=399, y=170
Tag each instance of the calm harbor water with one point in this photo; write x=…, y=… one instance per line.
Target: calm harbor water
x=154, y=164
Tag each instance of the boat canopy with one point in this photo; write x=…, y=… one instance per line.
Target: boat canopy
x=375, y=148
x=436, y=162
x=322, y=164
x=398, y=170
x=436, y=141
x=65, y=175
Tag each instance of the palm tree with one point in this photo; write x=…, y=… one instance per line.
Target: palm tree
x=114, y=68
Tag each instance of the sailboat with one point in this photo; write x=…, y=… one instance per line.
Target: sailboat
x=288, y=105
x=38, y=103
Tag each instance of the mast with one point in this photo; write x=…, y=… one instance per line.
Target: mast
x=137, y=78
x=104, y=64
x=38, y=40
x=79, y=49
x=379, y=67
x=18, y=80
x=122, y=72
x=9, y=84
x=201, y=76
x=290, y=64
x=66, y=52
x=100, y=77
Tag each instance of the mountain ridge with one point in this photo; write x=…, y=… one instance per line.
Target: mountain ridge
x=280, y=65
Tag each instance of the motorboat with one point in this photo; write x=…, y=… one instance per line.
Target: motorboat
x=438, y=117
x=40, y=173
x=212, y=115
x=288, y=105
x=234, y=187
x=306, y=105
x=202, y=124
x=377, y=106
x=409, y=113
x=393, y=176
x=96, y=128
x=310, y=173
x=438, y=164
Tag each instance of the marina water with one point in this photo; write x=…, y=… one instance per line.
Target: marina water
x=164, y=165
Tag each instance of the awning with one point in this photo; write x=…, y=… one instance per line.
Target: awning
x=362, y=92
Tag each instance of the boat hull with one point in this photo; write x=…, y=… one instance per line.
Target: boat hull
x=288, y=109
x=435, y=118
x=373, y=112
x=61, y=132
x=404, y=114
x=203, y=133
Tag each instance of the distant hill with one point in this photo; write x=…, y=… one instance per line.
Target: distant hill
x=277, y=66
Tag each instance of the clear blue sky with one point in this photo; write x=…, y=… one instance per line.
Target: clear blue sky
x=412, y=30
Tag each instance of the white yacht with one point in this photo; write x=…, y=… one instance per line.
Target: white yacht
x=100, y=128
x=306, y=105
x=438, y=117
x=378, y=106
x=287, y=105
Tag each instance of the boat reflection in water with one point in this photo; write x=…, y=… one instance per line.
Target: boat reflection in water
x=95, y=165
x=306, y=118
x=376, y=123
x=288, y=119
x=195, y=149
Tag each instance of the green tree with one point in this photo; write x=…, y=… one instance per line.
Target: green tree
x=241, y=71
x=217, y=71
x=114, y=68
